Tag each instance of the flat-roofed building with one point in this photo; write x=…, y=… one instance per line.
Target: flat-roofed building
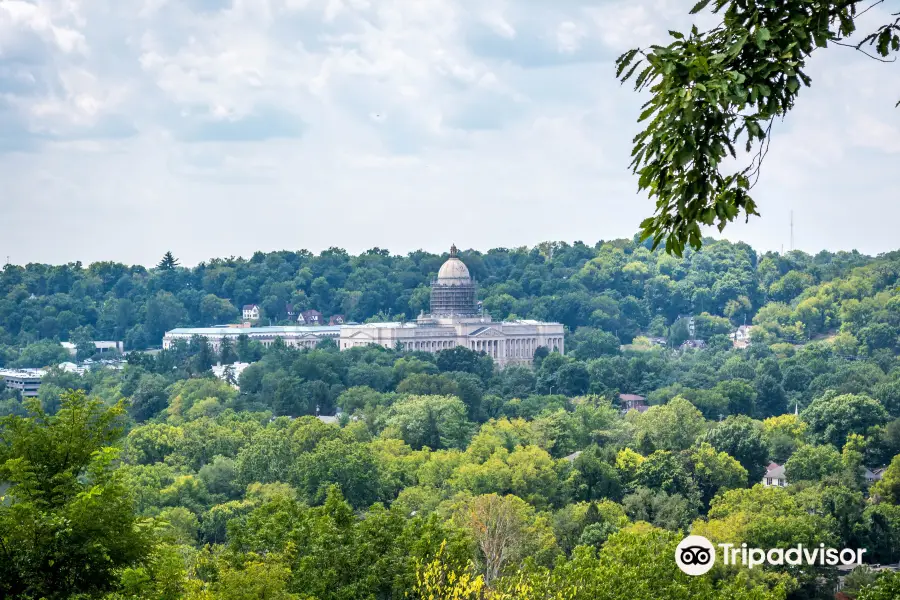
x=27, y=381
x=101, y=346
x=296, y=336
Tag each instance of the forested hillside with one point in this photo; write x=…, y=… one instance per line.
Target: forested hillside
x=444, y=477
x=619, y=287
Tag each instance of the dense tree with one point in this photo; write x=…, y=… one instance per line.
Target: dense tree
x=741, y=438
x=888, y=487
x=149, y=398
x=887, y=586
x=433, y=421
x=673, y=426
x=506, y=529
x=595, y=478
x=812, y=463
x=715, y=471
x=352, y=467
x=771, y=517
x=832, y=417
x=67, y=524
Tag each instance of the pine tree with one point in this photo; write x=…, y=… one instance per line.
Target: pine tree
x=168, y=262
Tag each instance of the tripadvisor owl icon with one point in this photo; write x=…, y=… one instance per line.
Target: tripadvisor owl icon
x=695, y=555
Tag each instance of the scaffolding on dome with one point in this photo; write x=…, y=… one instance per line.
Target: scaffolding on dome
x=453, y=299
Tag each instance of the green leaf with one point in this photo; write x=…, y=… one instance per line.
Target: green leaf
x=735, y=48
x=646, y=114
x=699, y=6
x=793, y=84
x=623, y=61
x=683, y=158
x=631, y=71
x=676, y=34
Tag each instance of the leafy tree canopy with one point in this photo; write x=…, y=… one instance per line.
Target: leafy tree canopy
x=716, y=95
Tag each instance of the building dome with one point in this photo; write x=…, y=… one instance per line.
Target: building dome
x=454, y=270
x=453, y=292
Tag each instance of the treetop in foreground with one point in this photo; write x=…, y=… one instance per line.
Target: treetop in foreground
x=718, y=89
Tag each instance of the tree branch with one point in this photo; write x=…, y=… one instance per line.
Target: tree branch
x=859, y=49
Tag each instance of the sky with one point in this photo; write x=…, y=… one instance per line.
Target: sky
x=222, y=127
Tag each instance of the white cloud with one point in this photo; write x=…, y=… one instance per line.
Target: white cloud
x=219, y=127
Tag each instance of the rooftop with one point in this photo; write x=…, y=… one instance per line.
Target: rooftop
x=413, y=324
x=22, y=372
x=271, y=330
x=454, y=270
x=775, y=471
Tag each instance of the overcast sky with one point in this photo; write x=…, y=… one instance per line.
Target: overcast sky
x=218, y=128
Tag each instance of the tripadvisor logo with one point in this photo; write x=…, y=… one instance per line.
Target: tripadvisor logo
x=696, y=555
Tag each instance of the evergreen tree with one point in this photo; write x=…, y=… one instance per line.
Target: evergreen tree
x=227, y=353
x=168, y=262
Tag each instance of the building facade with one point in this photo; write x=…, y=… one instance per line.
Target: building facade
x=774, y=476
x=456, y=319
x=507, y=342
x=101, y=346
x=296, y=336
x=26, y=381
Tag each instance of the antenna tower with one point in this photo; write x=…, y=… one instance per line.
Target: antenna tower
x=792, y=230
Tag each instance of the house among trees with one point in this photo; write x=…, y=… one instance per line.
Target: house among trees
x=774, y=475
x=741, y=337
x=633, y=402
x=336, y=320
x=290, y=311
x=251, y=312
x=873, y=475
x=310, y=317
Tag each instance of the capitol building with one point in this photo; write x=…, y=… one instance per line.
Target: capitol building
x=456, y=319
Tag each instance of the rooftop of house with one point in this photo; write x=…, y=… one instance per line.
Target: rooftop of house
x=631, y=398
x=775, y=471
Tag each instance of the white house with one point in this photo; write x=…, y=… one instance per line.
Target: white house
x=774, y=476
x=874, y=475
x=741, y=337
x=251, y=312
x=310, y=317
